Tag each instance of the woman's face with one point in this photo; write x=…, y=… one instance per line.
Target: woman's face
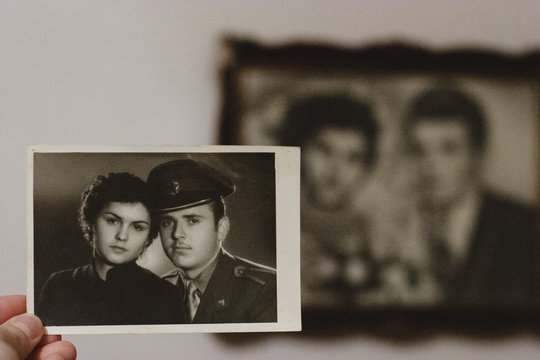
x=120, y=232
x=334, y=165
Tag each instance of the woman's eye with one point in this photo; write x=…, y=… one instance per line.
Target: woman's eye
x=111, y=221
x=139, y=227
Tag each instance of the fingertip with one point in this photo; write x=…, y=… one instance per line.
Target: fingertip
x=30, y=325
x=68, y=350
x=11, y=305
x=56, y=350
x=54, y=357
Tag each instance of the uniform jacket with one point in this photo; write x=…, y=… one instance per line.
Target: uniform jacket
x=130, y=295
x=239, y=291
x=501, y=266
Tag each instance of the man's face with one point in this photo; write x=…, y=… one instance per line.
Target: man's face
x=334, y=163
x=447, y=160
x=190, y=237
x=120, y=232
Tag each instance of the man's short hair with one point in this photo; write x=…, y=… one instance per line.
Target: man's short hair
x=117, y=187
x=219, y=209
x=444, y=104
x=309, y=115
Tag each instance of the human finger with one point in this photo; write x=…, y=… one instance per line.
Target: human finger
x=10, y=306
x=62, y=350
x=47, y=339
x=19, y=336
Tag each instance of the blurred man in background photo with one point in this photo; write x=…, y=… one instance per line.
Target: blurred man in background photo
x=480, y=244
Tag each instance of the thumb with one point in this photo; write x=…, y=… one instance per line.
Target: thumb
x=19, y=336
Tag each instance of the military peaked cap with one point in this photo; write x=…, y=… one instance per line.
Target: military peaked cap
x=181, y=184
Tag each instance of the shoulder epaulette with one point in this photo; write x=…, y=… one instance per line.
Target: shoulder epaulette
x=255, y=273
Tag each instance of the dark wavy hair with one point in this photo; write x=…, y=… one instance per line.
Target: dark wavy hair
x=307, y=116
x=445, y=104
x=117, y=187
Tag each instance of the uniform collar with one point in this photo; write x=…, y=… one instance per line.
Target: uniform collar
x=202, y=280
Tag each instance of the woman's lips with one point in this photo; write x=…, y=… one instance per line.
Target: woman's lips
x=118, y=249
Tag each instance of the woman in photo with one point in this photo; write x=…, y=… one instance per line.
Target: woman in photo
x=116, y=219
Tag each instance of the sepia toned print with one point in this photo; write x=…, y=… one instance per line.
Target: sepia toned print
x=419, y=190
x=160, y=239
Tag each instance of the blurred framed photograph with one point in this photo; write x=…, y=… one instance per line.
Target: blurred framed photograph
x=148, y=239
x=420, y=170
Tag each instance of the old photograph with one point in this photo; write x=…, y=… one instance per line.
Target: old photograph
x=419, y=188
x=164, y=239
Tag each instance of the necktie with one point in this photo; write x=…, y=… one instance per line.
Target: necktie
x=193, y=299
x=442, y=259
x=441, y=253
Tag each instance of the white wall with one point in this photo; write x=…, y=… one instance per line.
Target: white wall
x=144, y=72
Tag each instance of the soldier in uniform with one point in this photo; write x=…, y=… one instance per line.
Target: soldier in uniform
x=218, y=287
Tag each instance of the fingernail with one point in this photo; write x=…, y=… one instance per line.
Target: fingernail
x=28, y=324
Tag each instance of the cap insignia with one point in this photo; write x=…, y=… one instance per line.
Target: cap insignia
x=174, y=188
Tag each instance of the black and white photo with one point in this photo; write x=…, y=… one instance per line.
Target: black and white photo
x=168, y=239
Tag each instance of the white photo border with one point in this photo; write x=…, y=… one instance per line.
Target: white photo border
x=287, y=170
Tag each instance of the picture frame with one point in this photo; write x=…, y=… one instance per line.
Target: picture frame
x=266, y=87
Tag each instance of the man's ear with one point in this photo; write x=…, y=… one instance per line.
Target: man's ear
x=223, y=228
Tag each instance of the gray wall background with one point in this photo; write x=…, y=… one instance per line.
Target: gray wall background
x=140, y=72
